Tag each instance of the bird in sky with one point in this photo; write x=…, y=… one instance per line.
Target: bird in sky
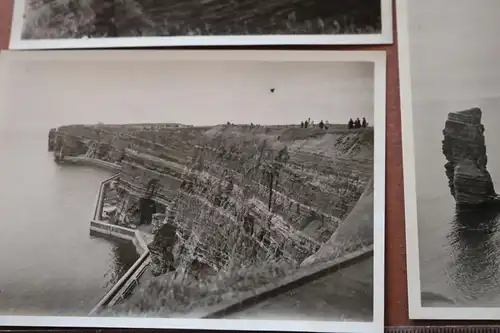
x=272, y=90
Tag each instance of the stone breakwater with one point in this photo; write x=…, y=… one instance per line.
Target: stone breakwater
x=464, y=148
x=128, y=281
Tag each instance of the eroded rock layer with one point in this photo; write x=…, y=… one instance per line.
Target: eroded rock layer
x=234, y=194
x=465, y=151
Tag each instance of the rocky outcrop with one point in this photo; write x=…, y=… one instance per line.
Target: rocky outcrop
x=52, y=139
x=465, y=151
x=161, y=250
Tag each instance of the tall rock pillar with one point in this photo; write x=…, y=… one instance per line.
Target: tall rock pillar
x=465, y=151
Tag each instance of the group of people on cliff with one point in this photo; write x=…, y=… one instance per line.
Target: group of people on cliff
x=324, y=124
x=357, y=123
x=310, y=123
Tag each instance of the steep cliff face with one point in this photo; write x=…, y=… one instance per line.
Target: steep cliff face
x=465, y=151
x=235, y=195
x=161, y=249
x=317, y=177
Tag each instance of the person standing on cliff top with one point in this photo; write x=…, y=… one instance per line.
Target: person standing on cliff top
x=350, y=124
x=364, y=124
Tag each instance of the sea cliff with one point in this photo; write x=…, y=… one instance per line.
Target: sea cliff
x=228, y=200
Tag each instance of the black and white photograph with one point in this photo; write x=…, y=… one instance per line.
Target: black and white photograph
x=160, y=189
x=55, y=24
x=450, y=93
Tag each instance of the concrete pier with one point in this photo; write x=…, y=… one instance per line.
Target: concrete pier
x=129, y=280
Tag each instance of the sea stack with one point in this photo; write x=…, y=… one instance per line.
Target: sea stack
x=465, y=151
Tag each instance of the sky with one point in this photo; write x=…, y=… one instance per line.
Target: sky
x=50, y=94
x=455, y=65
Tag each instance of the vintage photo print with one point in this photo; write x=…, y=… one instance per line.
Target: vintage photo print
x=450, y=92
x=64, y=24
x=186, y=189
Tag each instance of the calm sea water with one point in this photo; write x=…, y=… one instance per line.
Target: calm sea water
x=49, y=264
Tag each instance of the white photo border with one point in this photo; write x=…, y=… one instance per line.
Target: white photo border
x=415, y=308
x=8, y=58
x=17, y=43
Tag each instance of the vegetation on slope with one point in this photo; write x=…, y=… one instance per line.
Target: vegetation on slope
x=171, y=296
x=126, y=18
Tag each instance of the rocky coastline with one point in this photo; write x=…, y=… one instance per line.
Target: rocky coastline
x=222, y=197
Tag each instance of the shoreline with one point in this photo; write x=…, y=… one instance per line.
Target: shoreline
x=127, y=281
x=79, y=160
x=125, y=285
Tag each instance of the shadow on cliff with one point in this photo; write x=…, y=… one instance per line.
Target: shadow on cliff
x=355, y=232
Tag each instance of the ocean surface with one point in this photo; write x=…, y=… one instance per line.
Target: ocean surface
x=454, y=66
x=49, y=263
x=459, y=253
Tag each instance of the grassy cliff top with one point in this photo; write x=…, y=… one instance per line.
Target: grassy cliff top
x=45, y=18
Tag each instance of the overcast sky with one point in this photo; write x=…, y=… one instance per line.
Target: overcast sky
x=55, y=93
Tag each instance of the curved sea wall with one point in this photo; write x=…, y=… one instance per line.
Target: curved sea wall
x=124, y=285
x=227, y=196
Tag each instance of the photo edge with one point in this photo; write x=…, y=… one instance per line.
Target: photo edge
x=197, y=55
x=409, y=178
x=380, y=87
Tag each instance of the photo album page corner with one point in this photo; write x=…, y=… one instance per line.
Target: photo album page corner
x=76, y=24
x=450, y=94
x=160, y=189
